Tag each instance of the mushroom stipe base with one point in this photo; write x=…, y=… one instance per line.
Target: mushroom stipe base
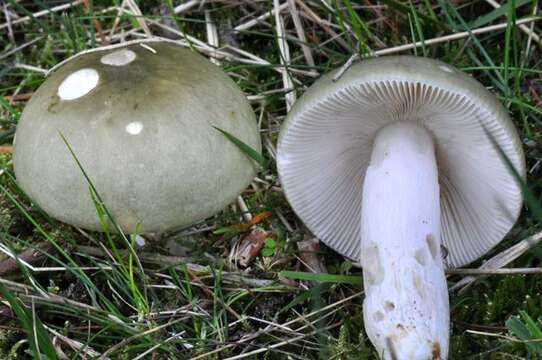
x=406, y=310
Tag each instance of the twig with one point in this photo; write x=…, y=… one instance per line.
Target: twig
x=282, y=343
x=283, y=220
x=108, y=47
x=259, y=19
x=505, y=271
x=31, y=68
x=502, y=259
x=74, y=344
x=527, y=50
x=260, y=61
x=19, y=48
x=284, y=56
x=270, y=147
x=116, y=22
x=42, y=13
x=300, y=32
x=509, y=338
x=8, y=22
x=164, y=260
x=324, y=24
x=186, y=6
x=309, y=251
x=523, y=28
x=243, y=208
x=269, y=329
x=27, y=292
x=29, y=256
x=212, y=34
x=34, y=257
x=161, y=343
x=209, y=292
x=208, y=50
x=128, y=340
x=285, y=329
x=437, y=40
x=250, y=246
x=196, y=230
x=139, y=16
x=346, y=66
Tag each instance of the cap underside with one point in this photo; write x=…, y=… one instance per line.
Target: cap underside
x=326, y=144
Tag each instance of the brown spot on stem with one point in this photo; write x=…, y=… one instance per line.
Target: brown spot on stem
x=436, y=351
x=378, y=316
x=389, y=306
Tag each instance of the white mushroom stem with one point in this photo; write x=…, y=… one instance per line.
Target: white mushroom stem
x=406, y=309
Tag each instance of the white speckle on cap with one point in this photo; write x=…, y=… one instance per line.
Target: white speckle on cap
x=78, y=84
x=134, y=128
x=446, y=68
x=119, y=58
x=140, y=240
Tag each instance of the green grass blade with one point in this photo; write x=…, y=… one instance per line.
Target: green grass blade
x=338, y=279
x=404, y=9
x=418, y=26
x=496, y=13
x=359, y=28
x=10, y=108
x=245, y=148
x=38, y=339
x=531, y=325
x=524, y=332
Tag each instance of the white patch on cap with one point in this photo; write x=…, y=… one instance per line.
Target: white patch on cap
x=119, y=58
x=446, y=68
x=134, y=128
x=78, y=84
x=140, y=241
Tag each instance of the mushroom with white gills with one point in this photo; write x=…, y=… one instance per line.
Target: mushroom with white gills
x=387, y=164
x=139, y=117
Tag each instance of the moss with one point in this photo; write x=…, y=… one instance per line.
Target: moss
x=9, y=344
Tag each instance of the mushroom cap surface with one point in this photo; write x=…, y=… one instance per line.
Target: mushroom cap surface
x=326, y=142
x=140, y=119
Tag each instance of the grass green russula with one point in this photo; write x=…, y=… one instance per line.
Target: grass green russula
x=140, y=119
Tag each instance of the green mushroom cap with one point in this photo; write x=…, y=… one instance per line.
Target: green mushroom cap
x=140, y=119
